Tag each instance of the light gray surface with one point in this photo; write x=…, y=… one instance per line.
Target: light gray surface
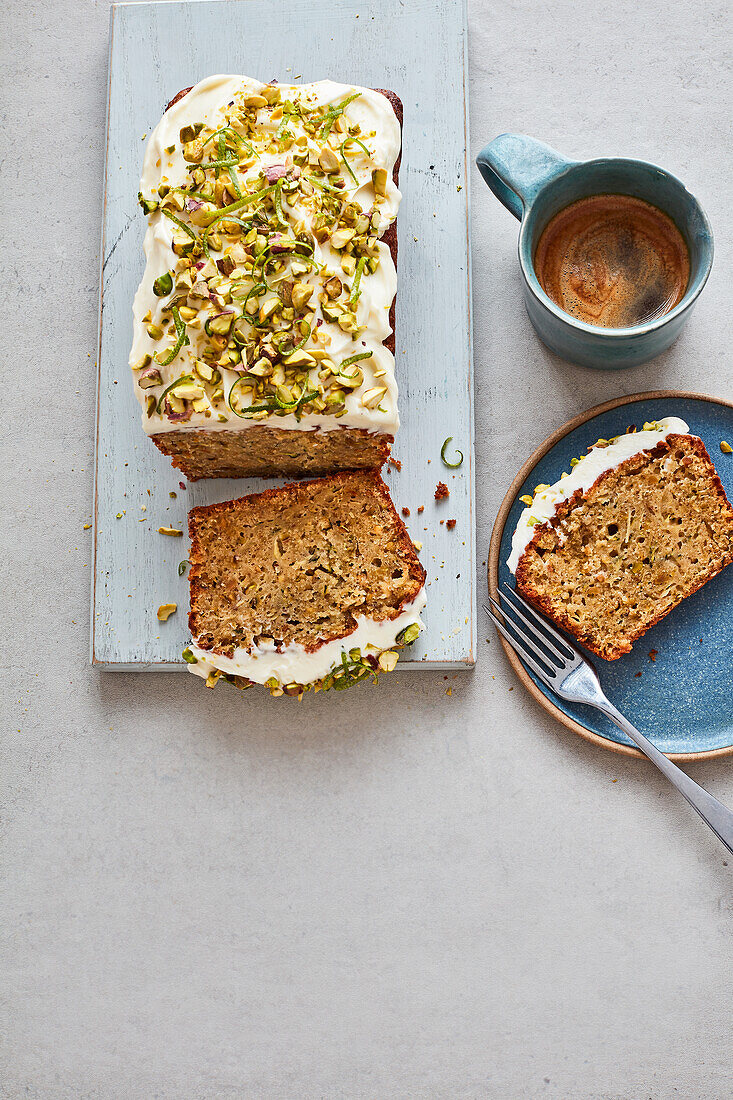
x=391, y=892
x=433, y=361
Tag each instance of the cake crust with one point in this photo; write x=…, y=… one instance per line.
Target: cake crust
x=547, y=540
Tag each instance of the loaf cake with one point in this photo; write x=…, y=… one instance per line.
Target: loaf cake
x=639, y=523
x=312, y=585
x=263, y=325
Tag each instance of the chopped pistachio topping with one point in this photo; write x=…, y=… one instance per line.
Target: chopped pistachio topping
x=353, y=667
x=248, y=291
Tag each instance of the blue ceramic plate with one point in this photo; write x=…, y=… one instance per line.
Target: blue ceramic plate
x=683, y=699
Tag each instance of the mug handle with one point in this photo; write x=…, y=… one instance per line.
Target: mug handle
x=516, y=168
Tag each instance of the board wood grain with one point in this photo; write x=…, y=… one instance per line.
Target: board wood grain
x=417, y=48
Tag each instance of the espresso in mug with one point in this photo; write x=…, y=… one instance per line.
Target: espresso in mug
x=613, y=261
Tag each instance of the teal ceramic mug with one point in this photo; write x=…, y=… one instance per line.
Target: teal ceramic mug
x=535, y=182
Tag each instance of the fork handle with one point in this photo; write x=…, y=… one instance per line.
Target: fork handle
x=713, y=813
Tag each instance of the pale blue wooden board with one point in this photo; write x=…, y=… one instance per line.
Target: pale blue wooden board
x=417, y=48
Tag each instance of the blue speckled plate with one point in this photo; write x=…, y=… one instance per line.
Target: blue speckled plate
x=683, y=700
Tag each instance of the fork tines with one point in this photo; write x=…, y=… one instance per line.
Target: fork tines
x=531, y=636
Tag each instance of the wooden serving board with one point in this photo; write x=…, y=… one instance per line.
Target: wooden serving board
x=418, y=48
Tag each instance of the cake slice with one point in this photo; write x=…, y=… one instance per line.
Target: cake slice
x=315, y=584
x=263, y=325
x=640, y=523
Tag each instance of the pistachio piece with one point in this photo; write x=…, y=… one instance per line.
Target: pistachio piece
x=299, y=358
x=262, y=368
x=193, y=151
x=300, y=294
x=144, y=362
x=373, y=397
x=181, y=243
x=351, y=377
x=341, y=238
x=331, y=311
x=188, y=392
x=226, y=265
x=275, y=172
x=203, y=370
x=149, y=377
x=201, y=213
x=190, y=133
x=408, y=635
x=255, y=101
x=379, y=181
x=328, y=160
x=200, y=290
x=173, y=531
x=155, y=332
x=388, y=660
x=271, y=93
x=333, y=286
x=163, y=285
x=220, y=324
x=166, y=610
x=268, y=307
x=348, y=264
x=187, y=313
x=189, y=657
x=148, y=205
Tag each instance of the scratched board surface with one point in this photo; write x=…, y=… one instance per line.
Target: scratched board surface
x=418, y=49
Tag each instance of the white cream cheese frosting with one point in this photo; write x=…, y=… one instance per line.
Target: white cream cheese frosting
x=295, y=664
x=583, y=475
x=377, y=148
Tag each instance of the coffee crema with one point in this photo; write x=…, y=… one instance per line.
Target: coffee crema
x=613, y=261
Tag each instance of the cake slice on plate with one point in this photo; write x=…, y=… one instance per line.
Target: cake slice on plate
x=640, y=523
x=315, y=584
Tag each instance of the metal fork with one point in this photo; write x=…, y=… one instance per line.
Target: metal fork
x=565, y=671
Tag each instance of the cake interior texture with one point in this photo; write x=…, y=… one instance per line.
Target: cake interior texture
x=618, y=558
x=298, y=564
x=272, y=452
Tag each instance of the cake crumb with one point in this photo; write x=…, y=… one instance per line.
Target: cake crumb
x=653, y=654
x=637, y=675
x=395, y=462
x=421, y=509
x=441, y=491
x=450, y=524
